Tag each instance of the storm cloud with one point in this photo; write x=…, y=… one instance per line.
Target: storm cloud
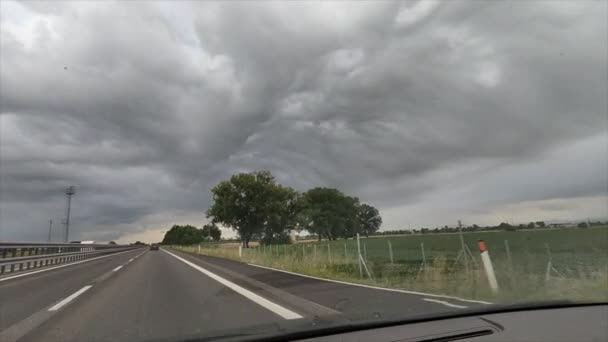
x=432, y=111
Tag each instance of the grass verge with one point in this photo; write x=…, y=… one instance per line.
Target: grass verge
x=441, y=275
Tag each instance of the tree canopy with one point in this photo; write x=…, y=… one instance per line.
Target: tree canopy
x=256, y=206
x=188, y=235
x=369, y=219
x=211, y=231
x=328, y=213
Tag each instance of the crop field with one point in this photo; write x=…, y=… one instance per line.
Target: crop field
x=536, y=264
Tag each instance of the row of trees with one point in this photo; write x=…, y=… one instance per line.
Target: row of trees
x=189, y=235
x=257, y=207
x=475, y=228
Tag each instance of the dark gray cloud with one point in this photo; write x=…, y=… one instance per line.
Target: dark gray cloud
x=145, y=106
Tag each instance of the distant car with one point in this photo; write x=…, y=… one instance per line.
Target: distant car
x=154, y=247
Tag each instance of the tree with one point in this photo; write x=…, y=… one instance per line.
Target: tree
x=211, y=231
x=284, y=208
x=247, y=203
x=112, y=243
x=183, y=235
x=507, y=227
x=540, y=224
x=328, y=213
x=531, y=225
x=369, y=219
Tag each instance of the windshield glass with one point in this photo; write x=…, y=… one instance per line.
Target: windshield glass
x=174, y=170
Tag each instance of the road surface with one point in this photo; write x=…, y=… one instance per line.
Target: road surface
x=169, y=295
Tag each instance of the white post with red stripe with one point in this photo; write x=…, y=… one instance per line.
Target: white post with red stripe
x=487, y=265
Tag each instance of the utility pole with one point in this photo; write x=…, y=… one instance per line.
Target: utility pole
x=50, y=229
x=69, y=192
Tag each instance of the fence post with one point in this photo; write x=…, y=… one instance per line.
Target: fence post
x=314, y=252
x=550, y=266
x=359, y=256
x=365, y=251
x=487, y=265
x=510, y=261
x=423, y=264
x=240, y=251
x=345, y=251
x=390, y=251
x=199, y=248
x=328, y=253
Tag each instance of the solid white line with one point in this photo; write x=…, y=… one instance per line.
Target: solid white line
x=60, y=266
x=375, y=287
x=277, y=309
x=117, y=268
x=445, y=303
x=69, y=298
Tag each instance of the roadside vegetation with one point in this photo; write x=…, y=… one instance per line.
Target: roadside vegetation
x=533, y=261
x=540, y=265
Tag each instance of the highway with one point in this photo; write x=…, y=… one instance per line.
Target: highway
x=143, y=295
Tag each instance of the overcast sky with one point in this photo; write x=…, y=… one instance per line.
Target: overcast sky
x=431, y=111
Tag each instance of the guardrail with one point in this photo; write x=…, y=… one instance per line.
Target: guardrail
x=15, y=257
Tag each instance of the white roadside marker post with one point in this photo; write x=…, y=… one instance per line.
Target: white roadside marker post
x=240, y=251
x=487, y=265
x=199, y=248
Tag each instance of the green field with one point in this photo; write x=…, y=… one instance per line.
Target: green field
x=579, y=260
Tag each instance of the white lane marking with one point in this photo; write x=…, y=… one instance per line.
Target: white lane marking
x=130, y=260
x=69, y=298
x=60, y=266
x=117, y=268
x=375, y=287
x=277, y=309
x=445, y=303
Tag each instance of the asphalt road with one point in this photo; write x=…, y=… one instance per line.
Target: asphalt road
x=146, y=295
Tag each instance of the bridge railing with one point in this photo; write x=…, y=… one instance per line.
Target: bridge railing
x=17, y=257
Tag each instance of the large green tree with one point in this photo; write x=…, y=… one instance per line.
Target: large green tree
x=253, y=204
x=183, y=235
x=282, y=214
x=328, y=213
x=369, y=219
x=211, y=231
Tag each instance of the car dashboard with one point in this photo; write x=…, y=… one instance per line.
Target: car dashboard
x=579, y=323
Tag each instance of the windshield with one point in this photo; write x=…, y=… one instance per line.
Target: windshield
x=175, y=170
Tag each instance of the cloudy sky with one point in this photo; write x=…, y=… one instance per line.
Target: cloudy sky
x=432, y=111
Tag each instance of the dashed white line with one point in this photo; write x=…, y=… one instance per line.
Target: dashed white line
x=445, y=303
x=277, y=309
x=70, y=298
x=117, y=268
